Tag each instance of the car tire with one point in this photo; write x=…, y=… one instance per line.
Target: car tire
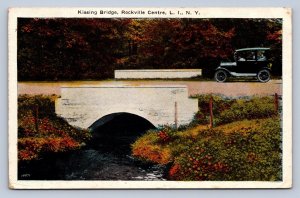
x=264, y=75
x=221, y=76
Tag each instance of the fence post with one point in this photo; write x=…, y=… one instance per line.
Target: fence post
x=176, y=119
x=276, y=102
x=211, y=120
x=36, y=118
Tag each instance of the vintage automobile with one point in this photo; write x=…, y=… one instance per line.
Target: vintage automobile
x=248, y=62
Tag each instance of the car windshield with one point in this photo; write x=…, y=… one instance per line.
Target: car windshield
x=261, y=55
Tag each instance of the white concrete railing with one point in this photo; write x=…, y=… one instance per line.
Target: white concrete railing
x=157, y=73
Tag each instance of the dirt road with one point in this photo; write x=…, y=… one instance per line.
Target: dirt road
x=231, y=89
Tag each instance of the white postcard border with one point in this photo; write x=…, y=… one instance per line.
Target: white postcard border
x=284, y=13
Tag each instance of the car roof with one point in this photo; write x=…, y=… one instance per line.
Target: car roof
x=253, y=49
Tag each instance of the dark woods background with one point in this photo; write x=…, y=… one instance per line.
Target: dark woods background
x=83, y=49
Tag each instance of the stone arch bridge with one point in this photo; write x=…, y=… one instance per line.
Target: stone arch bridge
x=160, y=105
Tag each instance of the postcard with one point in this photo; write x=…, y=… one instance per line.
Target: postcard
x=150, y=98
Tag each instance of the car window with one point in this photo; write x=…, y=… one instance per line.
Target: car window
x=240, y=56
x=250, y=56
x=246, y=56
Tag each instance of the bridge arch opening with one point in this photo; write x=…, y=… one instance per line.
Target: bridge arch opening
x=118, y=130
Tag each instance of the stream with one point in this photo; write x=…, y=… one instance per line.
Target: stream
x=107, y=156
x=90, y=164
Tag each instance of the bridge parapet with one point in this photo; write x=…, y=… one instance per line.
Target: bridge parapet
x=161, y=105
x=157, y=73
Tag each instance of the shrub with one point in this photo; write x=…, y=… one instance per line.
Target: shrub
x=163, y=136
x=248, y=109
x=146, y=149
x=32, y=148
x=236, y=156
x=248, y=150
x=226, y=110
x=40, y=131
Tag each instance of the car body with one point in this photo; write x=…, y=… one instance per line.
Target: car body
x=248, y=62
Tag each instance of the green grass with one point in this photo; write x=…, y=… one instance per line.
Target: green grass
x=248, y=150
x=244, y=145
x=226, y=110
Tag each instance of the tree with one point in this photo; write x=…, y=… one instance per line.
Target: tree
x=82, y=49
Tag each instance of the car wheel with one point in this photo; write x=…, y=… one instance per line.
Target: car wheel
x=264, y=75
x=220, y=76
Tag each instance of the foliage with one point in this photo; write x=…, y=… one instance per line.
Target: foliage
x=236, y=156
x=248, y=109
x=75, y=49
x=145, y=150
x=226, y=110
x=249, y=150
x=245, y=145
x=32, y=147
x=40, y=131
